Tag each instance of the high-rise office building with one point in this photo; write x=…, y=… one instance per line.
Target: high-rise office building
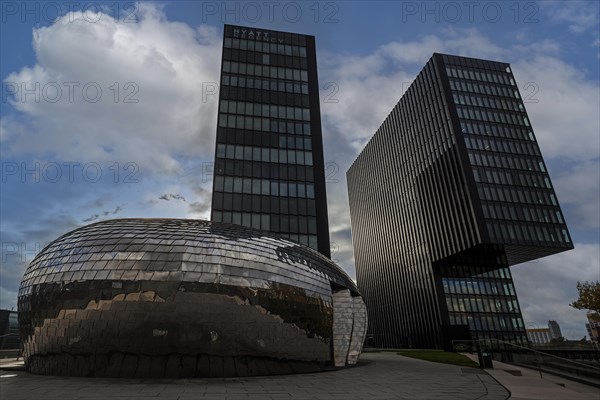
x=269, y=169
x=555, y=332
x=450, y=192
x=539, y=335
x=593, y=326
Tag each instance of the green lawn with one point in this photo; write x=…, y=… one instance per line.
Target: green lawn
x=440, y=357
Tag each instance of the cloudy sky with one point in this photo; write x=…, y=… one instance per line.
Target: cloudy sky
x=109, y=110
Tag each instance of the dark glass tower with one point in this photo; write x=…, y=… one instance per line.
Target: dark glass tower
x=449, y=193
x=269, y=170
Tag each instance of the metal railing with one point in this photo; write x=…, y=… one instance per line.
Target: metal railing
x=9, y=352
x=583, y=370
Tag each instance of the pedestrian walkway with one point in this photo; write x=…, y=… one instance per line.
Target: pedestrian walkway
x=384, y=375
x=526, y=384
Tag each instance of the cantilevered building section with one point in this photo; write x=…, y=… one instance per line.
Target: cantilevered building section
x=449, y=193
x=269, y=171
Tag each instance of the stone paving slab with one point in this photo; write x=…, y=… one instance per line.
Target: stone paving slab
x=529, y=386
x=379, y=376
x=526, y=384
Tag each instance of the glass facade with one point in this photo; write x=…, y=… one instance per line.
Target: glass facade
x=517, y=198
x=269, y=171
x=477, y=292
x=448, y=194
x=484, y=300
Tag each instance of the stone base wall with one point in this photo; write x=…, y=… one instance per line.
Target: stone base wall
x=349, y=327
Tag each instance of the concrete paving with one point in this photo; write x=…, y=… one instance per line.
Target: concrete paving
x=527, y=385
x=379, y=376
x=382, y=375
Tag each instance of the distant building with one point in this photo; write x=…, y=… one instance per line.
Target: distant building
x=593, y=326
x=539, y=335
x=9, y=332
x=555, y=332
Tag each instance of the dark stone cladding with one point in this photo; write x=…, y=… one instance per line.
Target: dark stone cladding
x=177, y=298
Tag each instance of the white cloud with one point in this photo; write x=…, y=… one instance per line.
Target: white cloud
x=565, y=120
x=169, y=61
x=562, y=104
x=165, y=65
x=546, y=287
x=384, y=75
x=578, y=15
x=8, y=299
x=577, y=188
x=560, y=99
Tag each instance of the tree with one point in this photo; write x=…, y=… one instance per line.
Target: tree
x=589, y=296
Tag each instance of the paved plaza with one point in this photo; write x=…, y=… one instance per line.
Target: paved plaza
x=384, y=375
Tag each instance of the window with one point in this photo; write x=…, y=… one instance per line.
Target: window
x=246, y=186
x=228, y=184
x=275, y=188
x=265, y=187
x=256, y=221
x=256, y=186
x=237, y=185
x=265, y=221
x=308, y=158
x=310, y=191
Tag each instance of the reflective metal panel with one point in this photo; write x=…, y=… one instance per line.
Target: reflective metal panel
x=174, y=298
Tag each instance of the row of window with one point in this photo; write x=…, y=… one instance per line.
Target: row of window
x=537, y=233
x=305, y=226
x=252, y=57
x=488, y=102
x=265, y=47
x=481, y=304
x=265, y=187
x=470, y=286
x=480, y=75
x=262, y=154
x=505, y=146
x=285, y=142
x=487, y=323
x=474, y=63
x=263, y=124
x=501, y=177
x=484, y=88
x=290, y=74
x=529, y=214
x=477, y=271
x=501, y=131
x=264, y=204
x=515, y=195
x=512, y=337
x=264, y=110
x=250, y=169
x=265, y=84
x=491, y=116
x=485, y=159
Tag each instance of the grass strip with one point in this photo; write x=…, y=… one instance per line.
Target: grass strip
x=440, y=356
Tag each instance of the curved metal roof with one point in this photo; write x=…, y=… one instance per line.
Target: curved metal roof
x=183, y=249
